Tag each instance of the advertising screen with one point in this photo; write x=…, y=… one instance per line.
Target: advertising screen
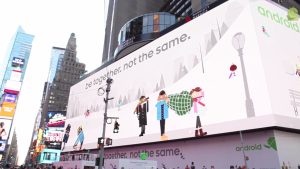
x=12, y=87
x=279, y=39
x=49, y=156
x=7, y=110
x=2, y=145
x=194, y=81
x=17, y=62
x=55, y=129
x=208, y=153
x=15, y=75
x=53, y=137
x=56, y=119
x=9, y=98
x=5, y=125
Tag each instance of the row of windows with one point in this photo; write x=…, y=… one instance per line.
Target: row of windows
x=148, y=23
x=79, y=65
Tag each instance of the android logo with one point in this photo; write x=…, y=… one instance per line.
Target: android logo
x=293, y=14
x=143, y=155
x=271, y=143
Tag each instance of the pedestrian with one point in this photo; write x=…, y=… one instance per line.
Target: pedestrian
x=193, y=166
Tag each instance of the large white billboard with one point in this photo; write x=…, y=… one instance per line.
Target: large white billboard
x=279, y=41
x=213, y=77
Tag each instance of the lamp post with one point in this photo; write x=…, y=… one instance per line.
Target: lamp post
x=242, y=143
x=109, y=81
x=238, y=42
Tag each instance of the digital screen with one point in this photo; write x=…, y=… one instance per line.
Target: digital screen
x=9, y=98
x=196, y=81
x=7, y=110
x=2, y=145
x=5, y=125
x=12, y=87
x=49, y=156
x=53, y=137
x=18, y=62
x=56, y=119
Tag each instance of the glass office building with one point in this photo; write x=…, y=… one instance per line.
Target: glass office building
x=145, y=24
x=56, y=62
x=17, y=57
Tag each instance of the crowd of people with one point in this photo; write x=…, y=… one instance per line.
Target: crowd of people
x=38, y=166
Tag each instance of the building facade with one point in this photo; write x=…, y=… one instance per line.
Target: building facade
x=65, y=70
x=120, y=12
x=17, y=56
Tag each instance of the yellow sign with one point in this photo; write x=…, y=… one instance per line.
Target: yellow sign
x=8, y=109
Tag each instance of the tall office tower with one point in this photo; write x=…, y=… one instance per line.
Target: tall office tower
x=65, y=70
x=12, y=74
x=64, y=73
x=17, y=58
x=13, y=70
x=120, y=12
x=57, y=55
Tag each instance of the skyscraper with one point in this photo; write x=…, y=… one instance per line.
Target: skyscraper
x=13, y=70
x=17, y=57
x=65, y=70
x=120, y=12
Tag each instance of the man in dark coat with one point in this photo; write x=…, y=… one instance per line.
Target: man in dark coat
x=141, y=110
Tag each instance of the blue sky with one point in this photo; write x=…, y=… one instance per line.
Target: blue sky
x=51, y=22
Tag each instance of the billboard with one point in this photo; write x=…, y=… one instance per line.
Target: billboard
x=17, y=62
x=7, y=110
x=55, y=129
x=9, y=98
x=53, y=137
x=196, y=80
x=12, y=87
x=2, y=145
x=5, y=125
x=56, y=119
x=49, y=156
x=205, y=153
x=288, y=152
x=272, y=26
x=16, y=75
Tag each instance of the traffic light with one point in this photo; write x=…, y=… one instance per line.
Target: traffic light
x=116, y=127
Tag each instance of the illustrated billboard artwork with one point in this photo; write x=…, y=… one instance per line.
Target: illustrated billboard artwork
x=192, y=82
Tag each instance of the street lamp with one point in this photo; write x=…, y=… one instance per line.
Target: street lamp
x=101, y=91
x=238, y=42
